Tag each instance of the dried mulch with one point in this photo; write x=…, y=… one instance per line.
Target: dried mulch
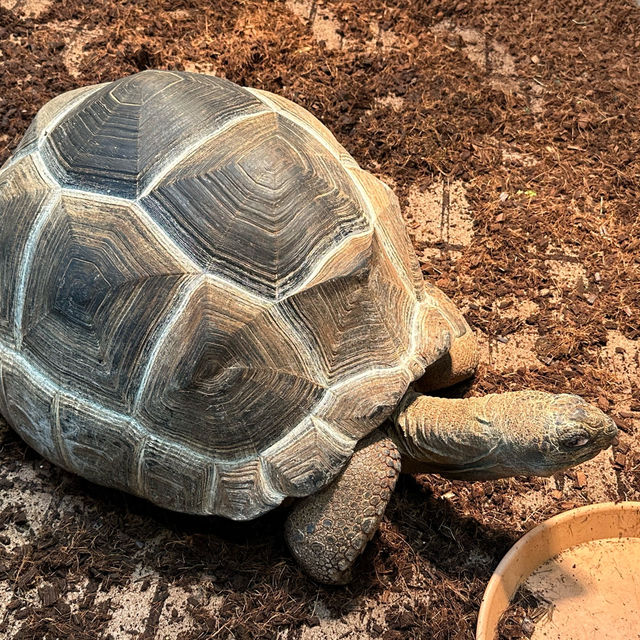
x=531, y=106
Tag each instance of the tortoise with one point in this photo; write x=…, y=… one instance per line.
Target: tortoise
x=206, y=302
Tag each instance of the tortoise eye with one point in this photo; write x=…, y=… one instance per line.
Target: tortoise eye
x=574, y=442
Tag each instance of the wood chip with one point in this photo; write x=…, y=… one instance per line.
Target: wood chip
x=620, y=460
x=48, y=595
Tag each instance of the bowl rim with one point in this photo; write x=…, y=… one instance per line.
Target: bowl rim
x=543, y=542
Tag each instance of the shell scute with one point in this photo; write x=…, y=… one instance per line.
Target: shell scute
x=391, y=232
x=174, y=476
x=304, y=118
x=24, y=193
x=230, y=381
x=355, y=322
x=49, y=115
x=244, y=491
x=97, y=445
x=100, y=285
x=27, y=405
x=310, y=457
x=259, y=205
x=118, y=137
x=358, y=407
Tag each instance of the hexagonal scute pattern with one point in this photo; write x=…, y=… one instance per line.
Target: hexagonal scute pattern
x=121, y=135
x=304, y=118
x=214, y=303
x=243, y=490
x=358, y=407
x=94, y=296
x=49, y=114
x=26, y=399
x=445, y=306
x=175, y=477
x=23, y=195
x=391, y=232
x=98, y=445
x=355, y=322
x=309, y=457
x=259, y=204
x=230, y=380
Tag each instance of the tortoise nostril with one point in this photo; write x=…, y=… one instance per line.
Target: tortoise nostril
x=612, y=428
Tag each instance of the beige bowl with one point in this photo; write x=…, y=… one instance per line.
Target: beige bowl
x=593, y=555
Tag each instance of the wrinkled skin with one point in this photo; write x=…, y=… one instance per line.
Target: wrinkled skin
x=528, y=433
x=499, y=435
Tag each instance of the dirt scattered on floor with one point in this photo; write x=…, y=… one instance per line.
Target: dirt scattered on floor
x=490, y=56
x=623, y=357
x=512, y=157
x=597, y=478
x=529, y=113
x=127, y=602
x=385, y=39
x=76, y=39
x=27, y=8
x=440, y=218
x=565, y=274
x=510, y=353
x=515, y=349
x=326, y=28
x=395, y=102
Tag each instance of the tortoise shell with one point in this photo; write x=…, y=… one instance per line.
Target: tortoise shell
x=203, y=299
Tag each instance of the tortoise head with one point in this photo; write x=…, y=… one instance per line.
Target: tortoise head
x=518, y=433
x=542, y=433
x=572, y=431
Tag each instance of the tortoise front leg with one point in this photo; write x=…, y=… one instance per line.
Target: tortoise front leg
x=327, y=531
x=458, y=364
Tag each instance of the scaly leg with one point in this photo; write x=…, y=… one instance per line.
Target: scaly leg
x=330, y=529
x=458, y=364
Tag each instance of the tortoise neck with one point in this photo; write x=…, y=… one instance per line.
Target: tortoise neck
x=448, y=436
